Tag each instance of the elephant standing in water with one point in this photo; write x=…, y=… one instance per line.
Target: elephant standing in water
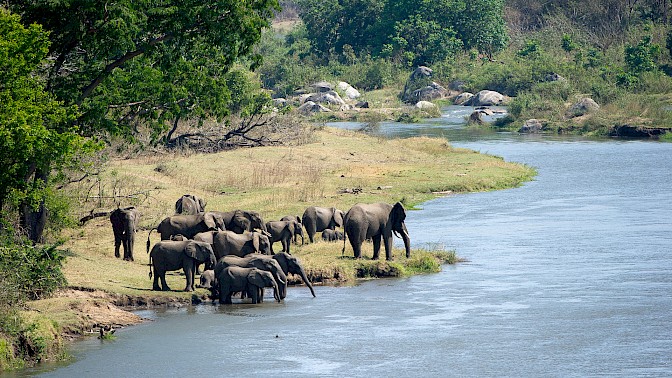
x=168, y=255
x=252, y=260
x=124, y=225
x=316, y=219
x=189, y=204
x=376, y=221
x=251, y=281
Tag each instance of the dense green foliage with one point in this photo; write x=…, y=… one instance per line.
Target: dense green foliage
x=408, y=32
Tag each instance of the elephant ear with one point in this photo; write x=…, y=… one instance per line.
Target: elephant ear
x=198, y=251
x=201, y=203
x=209, y=219
x=398, y=215
x=338, y=217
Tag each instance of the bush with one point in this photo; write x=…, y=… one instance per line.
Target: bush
x=35, y=270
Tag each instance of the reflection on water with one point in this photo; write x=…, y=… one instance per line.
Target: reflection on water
x=569, y=275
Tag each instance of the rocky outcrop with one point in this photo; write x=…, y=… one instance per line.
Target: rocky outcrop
x=311, y=107
x=630, y=131
x=420, y=87
x=462, y=98
x=329, y=98
x=532, y=126
x=322, y=86
x=350, y=92
x=486, y=98
x=424, y=105
x=584, y=106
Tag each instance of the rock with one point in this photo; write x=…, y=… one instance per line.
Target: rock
x=462, y=98
x=476, y=117
x=486, y=111
x=330, y=97
x=322, y=86
x=425, y=105
x=532, y=126
x=553, y=77
x=280, y=102
x=633, y=131
x=311, y=107
x=584, y=106
x=430, y=92
x=350, y=92
x=420, y=78
x=362, y=104
x=486, y=98
x=457, y=85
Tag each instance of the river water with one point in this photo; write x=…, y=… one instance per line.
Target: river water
x=568, y=275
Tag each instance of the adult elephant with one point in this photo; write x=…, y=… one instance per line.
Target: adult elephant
x=251, y=281
x=124, y=225
x=290, y=264
x=188, y=225
x=282, y=231
x=298, y=230
x=168, y=255
x=240, y=221
x=254, y=260
x=316, y=219
x=230, y=243
x=190, y=204
x=376, y=221
x=332, y=235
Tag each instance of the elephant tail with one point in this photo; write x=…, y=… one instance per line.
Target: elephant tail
x=150, y=266
x=345, y=237
x=148, y=235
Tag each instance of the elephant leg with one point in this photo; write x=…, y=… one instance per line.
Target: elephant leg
x=164, y=285
x=388, y=248
x=189, y=274
x=155, y=284
x=376, y=246
x=254, y=294
x=117, y=243
x=224, y=294
x=128, y=247
x=285, y=244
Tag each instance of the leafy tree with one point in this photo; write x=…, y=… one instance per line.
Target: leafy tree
x=36, y=135
x=642, y=57
x=140, y=62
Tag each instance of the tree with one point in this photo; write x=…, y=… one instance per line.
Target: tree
x=141, y=62
x=35, y=133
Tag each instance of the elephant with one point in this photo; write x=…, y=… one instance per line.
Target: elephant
x=190, y=204
x=332, y=235
x=170, y=255
x=240, y=221
x=364, y=221
x=124, y=225
x=282, y=231
x=316, y=219
x=291, y=264
x=231, y=243
x=187, y=225
x=246, y=280
x=298, y=230
x=253, y=260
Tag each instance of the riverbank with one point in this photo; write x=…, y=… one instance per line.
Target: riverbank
x=333, y=168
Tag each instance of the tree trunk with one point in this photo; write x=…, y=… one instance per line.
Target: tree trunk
x=34, y=220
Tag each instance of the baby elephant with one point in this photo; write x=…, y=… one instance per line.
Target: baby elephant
x=332, y=235
x=246, y=280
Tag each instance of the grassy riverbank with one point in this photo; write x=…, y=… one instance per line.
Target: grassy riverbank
x=332, y=168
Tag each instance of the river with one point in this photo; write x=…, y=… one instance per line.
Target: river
x=568, y=275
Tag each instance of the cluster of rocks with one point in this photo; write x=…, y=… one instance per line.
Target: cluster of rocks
x=323, y=97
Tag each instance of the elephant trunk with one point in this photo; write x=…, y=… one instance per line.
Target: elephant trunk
x=407, y=240
x=276, y=292
x=302, y=273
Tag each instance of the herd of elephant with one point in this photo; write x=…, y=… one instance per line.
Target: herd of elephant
x=237, y=246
